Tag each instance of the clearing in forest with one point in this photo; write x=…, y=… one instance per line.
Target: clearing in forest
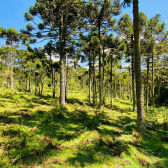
x=36, y=132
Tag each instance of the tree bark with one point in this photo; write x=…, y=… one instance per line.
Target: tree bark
x=159, y=82
x=133, y=77
x=29, y=82
x=89, y=80
x=111, y=85
x=35, y=85
x=11, y=65
x=153, y=94
x=51, y=65
x=147, y=84
x=41, y=88
x=55, y=81
x=103, y=79
x=119, y=89
x=94, y=80
x=139, y=95
x=66, y=84
x=62, y=65
x=100, y=82
x=115, y=85
x=26, y=83
x=1, y=75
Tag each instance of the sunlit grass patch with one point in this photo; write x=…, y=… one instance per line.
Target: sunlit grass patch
x=36, y=130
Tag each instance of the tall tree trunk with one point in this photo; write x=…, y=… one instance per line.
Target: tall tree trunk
x=29, y=82
x=41, y=88
x=128, y=91
x=139, y=95
x=158, y=83
x=119, y=89
x=133, y=77
x=108, y=84
x=153, y=94
x=94, y=80
x=66, y=79
x=8, y=77
x=111, y=85
x=51, y=65
x=26, y=83
x=55, y=81
x=1, y=75
x=62, y=65
x=115, y=86
x=96, y=89
x=11, y=65
x=103, y=78
x=89, y=80
x=100, y=80
x=35, y=85
x=147, y=84
x=123, y=89
x=150, y=93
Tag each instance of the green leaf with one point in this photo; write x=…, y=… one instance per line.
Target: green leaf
x=32, y=40
x=28, y=16
x=32, y=10
x=29, y=27
x=40, y=26
x=2, y=31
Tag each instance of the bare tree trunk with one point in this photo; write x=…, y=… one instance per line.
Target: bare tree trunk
x=147, y=85
x=153, y=88
x=123, y=89
x=140, y=104
x=62, y=65
x=66, y=83
x=133, y=77
x=89, y=81
x=1, y=75
x=159, y=81
x=52, y=76
x=41, y=88
x=120, y=90
x=103, y=79
x=100, y=80
x=108, y=83
x=8, y=78
x=29, y=82
x=94, y=81
x=36, y=85
x=55, y=81
x=26, y=83
x=115, y=85
x=111, y=85
x=11, y=65
x=96, y=89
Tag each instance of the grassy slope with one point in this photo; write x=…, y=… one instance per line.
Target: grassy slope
x=36, y=132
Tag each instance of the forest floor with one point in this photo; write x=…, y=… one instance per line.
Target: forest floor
x=36, y=132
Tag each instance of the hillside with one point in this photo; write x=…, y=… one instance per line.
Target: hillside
x=36, y=132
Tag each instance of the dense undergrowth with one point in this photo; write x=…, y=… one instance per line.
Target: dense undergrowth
x=37, y=132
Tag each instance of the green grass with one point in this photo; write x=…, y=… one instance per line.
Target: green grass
x=36, y=132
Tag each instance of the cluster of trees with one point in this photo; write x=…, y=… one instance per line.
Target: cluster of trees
x=89, y=31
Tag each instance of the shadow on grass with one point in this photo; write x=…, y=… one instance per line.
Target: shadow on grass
x=60, y=125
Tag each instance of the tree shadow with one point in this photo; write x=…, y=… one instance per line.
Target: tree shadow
x=54, y=127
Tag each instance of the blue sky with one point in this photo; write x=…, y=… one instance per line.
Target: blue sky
x=12, y=12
